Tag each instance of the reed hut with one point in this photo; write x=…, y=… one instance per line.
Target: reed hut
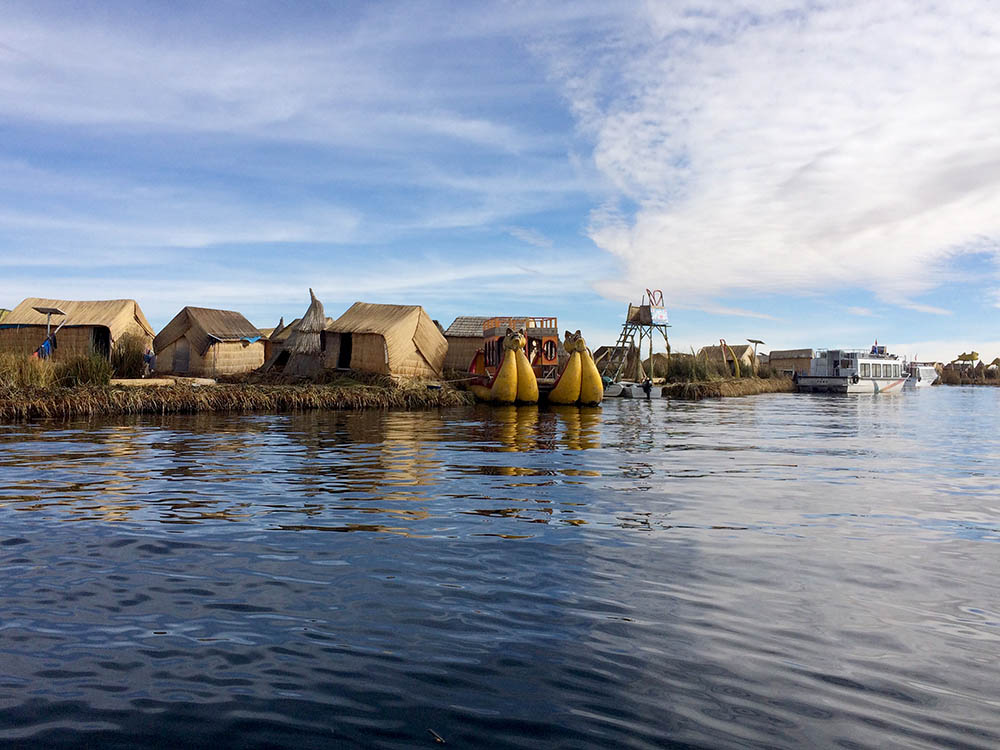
x=87, y=326
x=274, y=347
x=304, y=346
x=397, y=340
x=3, y=313
x=465, y=338
x=204, y=342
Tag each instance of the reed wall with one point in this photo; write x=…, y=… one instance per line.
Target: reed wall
x=461, y=350
x=222, y=358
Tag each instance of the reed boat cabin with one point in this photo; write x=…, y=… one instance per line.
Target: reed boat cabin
x=542, y=348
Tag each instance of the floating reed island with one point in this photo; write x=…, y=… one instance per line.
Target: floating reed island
x=31, y=388
x=64, y=402
x=729, y=387
x=66, y=358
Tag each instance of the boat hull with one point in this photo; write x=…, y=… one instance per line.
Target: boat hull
x=635, y=390
x=819, y=384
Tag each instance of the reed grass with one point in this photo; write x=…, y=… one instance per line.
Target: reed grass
x=128, y=356
x=690, y=368
x=90, y=370
x=61, y=402
x=18, y=371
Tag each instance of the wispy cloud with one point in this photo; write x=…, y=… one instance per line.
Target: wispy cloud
x=862, y=311
x=530, y=236
x=929, y=309
x=793, y=147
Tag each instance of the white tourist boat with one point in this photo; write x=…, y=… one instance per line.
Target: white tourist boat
x=921, y=374
x=853, y=371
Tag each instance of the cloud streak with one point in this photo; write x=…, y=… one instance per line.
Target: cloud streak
x=794, y=147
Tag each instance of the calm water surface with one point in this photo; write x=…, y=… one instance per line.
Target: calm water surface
x=780, y=571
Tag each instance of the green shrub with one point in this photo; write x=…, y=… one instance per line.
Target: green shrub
x=90, y=370
x=128, y=356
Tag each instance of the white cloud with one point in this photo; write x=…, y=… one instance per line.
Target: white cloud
x=793, y=147
x=862, y=311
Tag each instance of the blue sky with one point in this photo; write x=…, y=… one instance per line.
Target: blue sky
x=806, y=173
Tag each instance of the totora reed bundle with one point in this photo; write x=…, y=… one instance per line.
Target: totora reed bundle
x=29, y=403
x=727, y=388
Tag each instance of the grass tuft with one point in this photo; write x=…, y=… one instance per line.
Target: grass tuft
x=128, y=356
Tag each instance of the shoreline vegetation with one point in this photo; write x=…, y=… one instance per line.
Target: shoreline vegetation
x=970, y=377
x=83, y=387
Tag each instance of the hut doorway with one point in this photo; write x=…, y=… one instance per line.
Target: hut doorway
x=344, y=355
x=100, y=340
x=182, y=355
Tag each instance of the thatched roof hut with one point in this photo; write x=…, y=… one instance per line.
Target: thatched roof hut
x=465, y=338
x=399, y=340
x=87, y=326
x=3, y=313
x=206, y=342
x=304, y=345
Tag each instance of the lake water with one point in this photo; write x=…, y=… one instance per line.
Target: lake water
x=778, y=571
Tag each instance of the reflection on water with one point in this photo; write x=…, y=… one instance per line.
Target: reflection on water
x=285, y=472
x=786, y=571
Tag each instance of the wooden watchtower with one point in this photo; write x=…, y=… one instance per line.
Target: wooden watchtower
x=642, y=323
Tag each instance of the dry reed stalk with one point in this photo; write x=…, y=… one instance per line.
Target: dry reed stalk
x=696, y=391
x=30, y=403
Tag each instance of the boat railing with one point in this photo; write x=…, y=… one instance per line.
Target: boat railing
x=858, y=354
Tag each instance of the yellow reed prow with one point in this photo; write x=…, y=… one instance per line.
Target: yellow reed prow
x=515, y=380
x=527, y=384
x=580, y=382
x=504, y=390
x=567, y=387
x=591, y=385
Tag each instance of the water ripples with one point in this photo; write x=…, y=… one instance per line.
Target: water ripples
x=777, y=571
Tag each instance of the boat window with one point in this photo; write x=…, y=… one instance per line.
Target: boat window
x=876, y=370
x=866, y=370
x=846, y=363
x=896, y=370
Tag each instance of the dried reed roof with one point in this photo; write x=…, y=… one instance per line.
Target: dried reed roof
x=282, y=332
x=306, y=337
x=402, y=326
x=467, y=325
x=3, y=313
x=204, y=326
x=117, y=315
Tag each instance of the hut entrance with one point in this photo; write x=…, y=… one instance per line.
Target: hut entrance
x=182, y=355
x=344, y=355
x=100, y=340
